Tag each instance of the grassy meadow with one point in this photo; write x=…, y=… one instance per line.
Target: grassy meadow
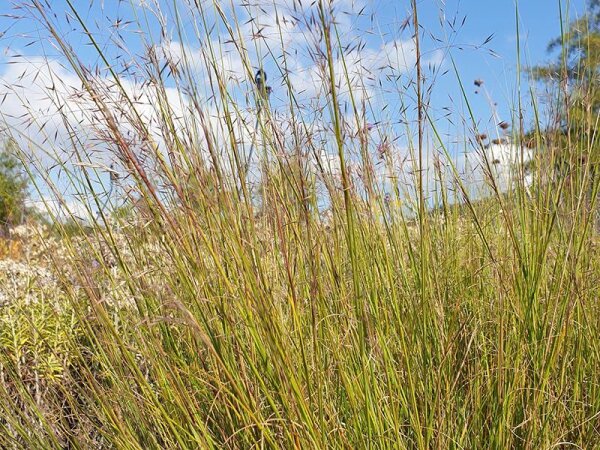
x=261, y=272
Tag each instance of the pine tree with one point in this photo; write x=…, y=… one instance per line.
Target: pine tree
x=577, y=71
x=572, y=144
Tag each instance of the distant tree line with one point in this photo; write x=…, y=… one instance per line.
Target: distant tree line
x=576, y=71
x=13, y=188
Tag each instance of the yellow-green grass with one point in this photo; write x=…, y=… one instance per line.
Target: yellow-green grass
x=307, y=310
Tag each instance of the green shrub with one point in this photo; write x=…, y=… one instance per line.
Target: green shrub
x=13, y=188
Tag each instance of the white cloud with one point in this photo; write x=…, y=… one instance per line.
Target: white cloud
x=39, y=96
x=62, y=210
x=44, y=105
x=504, y=160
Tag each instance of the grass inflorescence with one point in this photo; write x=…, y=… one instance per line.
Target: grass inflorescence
x=327, y=292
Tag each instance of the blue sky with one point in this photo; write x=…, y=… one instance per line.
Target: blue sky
x=539, y=20
x=466, y=26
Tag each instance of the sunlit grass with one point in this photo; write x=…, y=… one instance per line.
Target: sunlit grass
x=315, y=302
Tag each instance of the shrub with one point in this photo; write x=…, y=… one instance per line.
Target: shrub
x=13, y=188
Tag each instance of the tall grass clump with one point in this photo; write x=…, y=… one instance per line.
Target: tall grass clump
x=281, y=270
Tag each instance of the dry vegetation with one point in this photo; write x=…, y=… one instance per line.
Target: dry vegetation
x=298, y=306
